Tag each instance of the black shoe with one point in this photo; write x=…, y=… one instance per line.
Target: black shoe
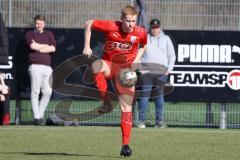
x=126, y=151
x=41, y=122
x=105, y=107
x=36, y=122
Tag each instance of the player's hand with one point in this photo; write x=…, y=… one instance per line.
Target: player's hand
x=2, y=98
x=5, y=89
x=167, y=73
x=87, y=52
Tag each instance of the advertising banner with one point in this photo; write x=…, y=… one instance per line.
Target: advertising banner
x=207, y=67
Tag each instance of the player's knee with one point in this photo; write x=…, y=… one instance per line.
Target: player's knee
x=126, y=108
x=97, y=66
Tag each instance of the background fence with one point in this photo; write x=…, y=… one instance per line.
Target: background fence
x=174, y=14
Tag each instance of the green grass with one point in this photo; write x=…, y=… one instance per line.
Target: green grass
x=103, y=143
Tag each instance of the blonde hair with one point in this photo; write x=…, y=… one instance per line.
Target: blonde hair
x=129, y=10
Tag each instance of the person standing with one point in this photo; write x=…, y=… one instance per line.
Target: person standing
x=41, y=44
x=4, y=90
x=4, y=102
x=158, y=61
x=124, y=45
x=4, y=46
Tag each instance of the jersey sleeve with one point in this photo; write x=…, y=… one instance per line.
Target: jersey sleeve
x=103, y=25
x=143, y=40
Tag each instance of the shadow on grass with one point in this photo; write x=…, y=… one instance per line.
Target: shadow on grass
x=58, y=154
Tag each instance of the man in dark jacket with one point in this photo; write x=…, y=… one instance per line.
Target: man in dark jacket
x=3, y=42
x=4, y=100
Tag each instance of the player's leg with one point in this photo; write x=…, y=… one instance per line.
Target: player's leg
x=126, y=97
x=36, y=79
x=6, y=113
x=101, y=71
x=46, y=90
x=126, y=101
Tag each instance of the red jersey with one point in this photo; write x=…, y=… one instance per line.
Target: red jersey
x=119, y=47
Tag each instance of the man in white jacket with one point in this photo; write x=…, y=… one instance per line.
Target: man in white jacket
x=158, y=61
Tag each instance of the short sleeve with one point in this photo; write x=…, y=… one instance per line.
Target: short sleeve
x=143, y=40
x=52, y=39
x=29, y=38
x=103, y=25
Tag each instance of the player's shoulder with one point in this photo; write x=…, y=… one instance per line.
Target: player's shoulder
x=111, y=22
x=140, y=30
x=107, y=24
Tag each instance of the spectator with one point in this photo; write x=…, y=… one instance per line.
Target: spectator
x=4, y=98
x=3, y=42
x=159, y=54
x=4, y=103
x=41, y=44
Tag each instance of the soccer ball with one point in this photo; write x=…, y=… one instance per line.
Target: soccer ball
x=127, y=77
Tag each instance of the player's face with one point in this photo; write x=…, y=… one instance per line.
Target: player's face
x=155, y=30
x=128, y=23
x=39, y=25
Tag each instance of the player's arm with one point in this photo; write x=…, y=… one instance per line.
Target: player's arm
x=137, y=62
x=3, y=87
x=2, y=98
x=87, y=38
x=141, y=51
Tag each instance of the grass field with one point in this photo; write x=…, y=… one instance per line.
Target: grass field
x=103, y=143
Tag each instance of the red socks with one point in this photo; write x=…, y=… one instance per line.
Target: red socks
x=126, y=126
x=101, y=84
x=6, y=119
x=126, y=117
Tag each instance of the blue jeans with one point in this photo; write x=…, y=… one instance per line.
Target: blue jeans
x=150, y=84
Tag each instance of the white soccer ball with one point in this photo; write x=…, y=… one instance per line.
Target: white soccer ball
x=127, y=77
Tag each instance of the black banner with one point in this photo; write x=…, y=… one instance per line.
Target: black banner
x=207, y=67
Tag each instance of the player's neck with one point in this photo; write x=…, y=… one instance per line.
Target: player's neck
x=126, y=31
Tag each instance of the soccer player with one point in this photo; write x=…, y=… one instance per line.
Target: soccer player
x=123, y=48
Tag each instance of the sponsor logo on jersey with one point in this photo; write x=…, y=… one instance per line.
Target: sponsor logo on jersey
x=118, y=46
x=133, y=39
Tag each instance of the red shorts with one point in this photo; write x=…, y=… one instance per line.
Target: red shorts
x=114, y=71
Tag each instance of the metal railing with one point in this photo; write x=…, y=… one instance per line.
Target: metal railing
x=174, y=14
